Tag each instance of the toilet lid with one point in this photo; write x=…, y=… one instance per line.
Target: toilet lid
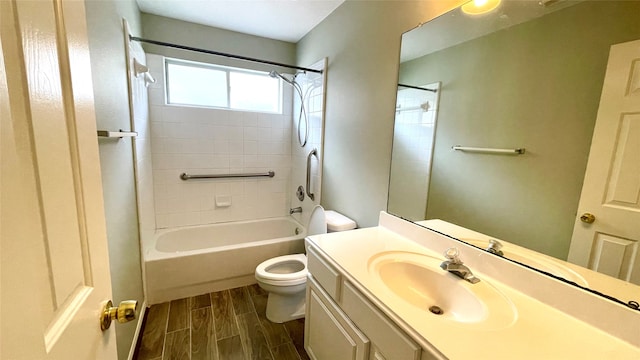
x=317, y=221
x=268, y=269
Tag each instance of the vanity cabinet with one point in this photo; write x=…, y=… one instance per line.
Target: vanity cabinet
x=341, y=323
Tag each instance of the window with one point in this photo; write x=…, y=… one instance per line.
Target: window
x=199, y=84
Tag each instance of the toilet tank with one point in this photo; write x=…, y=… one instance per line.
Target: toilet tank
x=338, y=222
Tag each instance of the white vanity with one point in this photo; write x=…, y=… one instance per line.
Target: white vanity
x=379, y=293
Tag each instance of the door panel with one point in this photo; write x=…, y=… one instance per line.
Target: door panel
x=611, y=189
x=55, y=273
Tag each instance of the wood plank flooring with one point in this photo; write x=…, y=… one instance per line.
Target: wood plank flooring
x=224, y=325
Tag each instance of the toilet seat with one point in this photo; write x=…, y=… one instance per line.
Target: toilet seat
x=283, y=279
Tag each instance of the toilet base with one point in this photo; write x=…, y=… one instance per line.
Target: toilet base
x=283, y=308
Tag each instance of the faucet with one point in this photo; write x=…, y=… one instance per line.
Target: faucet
x=454, y=265
x=494, y=247
x=295, y=210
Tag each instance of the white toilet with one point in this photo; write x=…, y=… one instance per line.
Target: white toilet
x=285, y=277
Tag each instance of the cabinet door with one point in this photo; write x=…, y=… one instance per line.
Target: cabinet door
x=329, y=335
x=391, y=343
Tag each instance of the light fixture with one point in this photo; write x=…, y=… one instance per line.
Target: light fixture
x=479, y=7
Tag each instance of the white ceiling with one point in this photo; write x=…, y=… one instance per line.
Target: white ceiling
x=287, y=20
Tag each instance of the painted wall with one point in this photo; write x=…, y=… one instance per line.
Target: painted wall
x=547, y=104
x=106, y=44
x=200, y=36
x=362, y=42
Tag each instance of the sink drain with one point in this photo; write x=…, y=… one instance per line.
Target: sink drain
x=436, y=310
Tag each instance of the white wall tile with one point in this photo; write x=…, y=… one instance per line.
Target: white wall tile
x=203, y=140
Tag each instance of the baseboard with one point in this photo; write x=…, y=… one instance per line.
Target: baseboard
x=137, y=334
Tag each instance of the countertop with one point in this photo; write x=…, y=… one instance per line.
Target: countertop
x=538, y=331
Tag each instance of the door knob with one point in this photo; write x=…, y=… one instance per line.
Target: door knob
x=587, y=218
x=124, y=312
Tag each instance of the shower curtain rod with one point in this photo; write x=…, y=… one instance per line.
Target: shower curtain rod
x=217, y=53
x=417, y=87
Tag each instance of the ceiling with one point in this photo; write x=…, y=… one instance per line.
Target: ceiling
x=286, y=20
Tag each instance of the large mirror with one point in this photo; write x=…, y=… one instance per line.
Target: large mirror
x=526, y=80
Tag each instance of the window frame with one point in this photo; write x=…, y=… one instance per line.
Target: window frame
x=227, y=70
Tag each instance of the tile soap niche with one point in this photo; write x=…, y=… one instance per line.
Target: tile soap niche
x=223, y=201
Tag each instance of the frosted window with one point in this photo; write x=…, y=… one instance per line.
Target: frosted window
x=255, y=92
x=195, y=85
x=200, y=84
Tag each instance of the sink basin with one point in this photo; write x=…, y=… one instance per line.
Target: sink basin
x=534, y=260
x=419, y=282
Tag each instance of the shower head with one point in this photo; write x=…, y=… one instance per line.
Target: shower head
x=275, y=74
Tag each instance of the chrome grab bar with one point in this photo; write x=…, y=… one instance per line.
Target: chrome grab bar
x=185, y=176
x=517, y=151
x=313, y=152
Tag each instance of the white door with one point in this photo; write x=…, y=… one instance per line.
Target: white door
x=611, y=189
x=54, y=261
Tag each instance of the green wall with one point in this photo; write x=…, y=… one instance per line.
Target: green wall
x=205, y=37
x=536, y=85
x=362, y=42
x=109, y=72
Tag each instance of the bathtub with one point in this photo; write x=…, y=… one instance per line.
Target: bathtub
x=190, y=261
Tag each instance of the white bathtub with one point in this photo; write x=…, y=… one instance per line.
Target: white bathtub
x=195, y=260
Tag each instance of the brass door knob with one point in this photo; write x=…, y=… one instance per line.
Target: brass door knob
x=587, y=218
x=125, y=312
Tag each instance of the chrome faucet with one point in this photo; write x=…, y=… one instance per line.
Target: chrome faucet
x=295, y=210
x=494, y=247
x=454, y=265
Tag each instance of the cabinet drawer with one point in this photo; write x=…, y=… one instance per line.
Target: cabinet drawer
x=390, y=342
x=329, y=335
x=329, y=278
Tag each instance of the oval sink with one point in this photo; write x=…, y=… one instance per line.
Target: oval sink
x=419, y=282
x=535, y=260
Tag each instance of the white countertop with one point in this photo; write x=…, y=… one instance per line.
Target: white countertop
x=538, y=331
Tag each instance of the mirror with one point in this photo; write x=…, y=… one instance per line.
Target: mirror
x=528, y=75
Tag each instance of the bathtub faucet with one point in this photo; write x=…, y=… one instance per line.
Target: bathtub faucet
x=295, y=210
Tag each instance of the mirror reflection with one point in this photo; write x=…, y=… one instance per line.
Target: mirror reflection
x=529, y=75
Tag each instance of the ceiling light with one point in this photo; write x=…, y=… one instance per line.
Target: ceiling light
x=479, y=7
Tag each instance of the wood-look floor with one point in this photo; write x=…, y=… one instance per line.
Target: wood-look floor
x=225, y=325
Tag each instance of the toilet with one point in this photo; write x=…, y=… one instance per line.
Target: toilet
x=285, y=277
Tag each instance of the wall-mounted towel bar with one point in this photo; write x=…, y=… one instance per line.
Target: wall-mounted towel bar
x=518, y=151
x=185, y=176
x=116, y=134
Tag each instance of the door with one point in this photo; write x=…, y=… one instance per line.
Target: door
x=608, y=241
x=54, y=263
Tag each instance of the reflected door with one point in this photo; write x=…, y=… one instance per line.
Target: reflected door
x=607, y=230
x=55, y=269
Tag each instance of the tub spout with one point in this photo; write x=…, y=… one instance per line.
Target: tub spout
x=295, y=210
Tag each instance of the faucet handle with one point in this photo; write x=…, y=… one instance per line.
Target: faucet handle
x=495, y=244
x=452, y=254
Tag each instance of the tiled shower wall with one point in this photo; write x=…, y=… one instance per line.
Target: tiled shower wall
x=215, y=141
x=314, y=95
x=413, y=135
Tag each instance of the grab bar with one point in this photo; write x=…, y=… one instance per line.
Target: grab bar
x=313, y=152
x=518, y=151
x=185, y=176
